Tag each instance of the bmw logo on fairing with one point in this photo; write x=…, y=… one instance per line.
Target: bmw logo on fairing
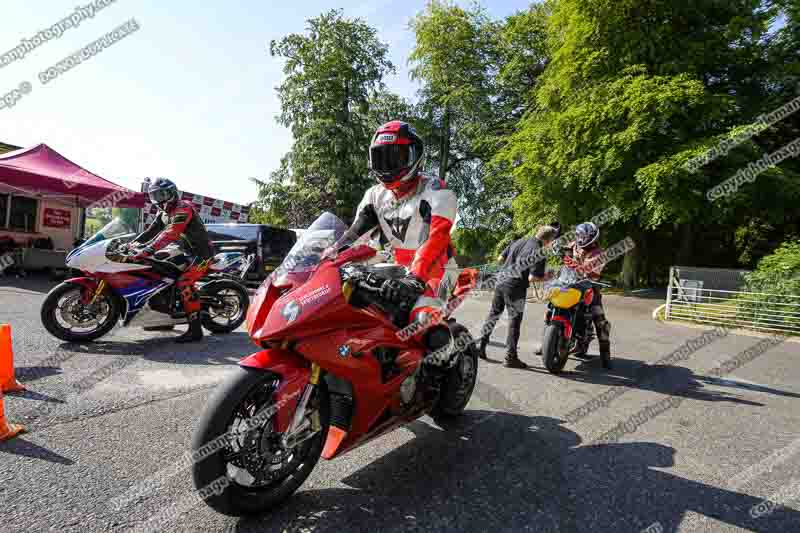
x=344, y=351
x=291, y=311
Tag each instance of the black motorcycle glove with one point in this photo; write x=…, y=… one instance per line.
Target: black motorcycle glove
x=403, y=291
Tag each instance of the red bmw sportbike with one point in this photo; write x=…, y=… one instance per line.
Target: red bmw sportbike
x=339, y=367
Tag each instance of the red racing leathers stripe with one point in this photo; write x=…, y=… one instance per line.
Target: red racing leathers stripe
x=179, y=221
x=431, y=257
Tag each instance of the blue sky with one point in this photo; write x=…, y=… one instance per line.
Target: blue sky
x=190, y=96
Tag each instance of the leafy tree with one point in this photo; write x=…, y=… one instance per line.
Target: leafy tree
x=386, y=106
x=457, y=57
x=102, y=214
x=520, y=56
x=129, y=216
x=450, y=57
x=634, y=89
x=560, y=111
x=332, y=71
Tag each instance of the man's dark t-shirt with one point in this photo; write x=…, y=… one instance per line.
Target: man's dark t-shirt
x=518, y=263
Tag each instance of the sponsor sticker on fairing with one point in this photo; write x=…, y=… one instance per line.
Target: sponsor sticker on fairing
x=291, y=311
x=315, y=295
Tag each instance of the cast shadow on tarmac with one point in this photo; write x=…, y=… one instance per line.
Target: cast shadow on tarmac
x=20, y=446
x=160, y=347
x=511, y=472
x=664, y=379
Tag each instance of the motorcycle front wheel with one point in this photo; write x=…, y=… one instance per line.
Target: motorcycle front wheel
x=552, y=353
x=241, y=464
x=67, y=318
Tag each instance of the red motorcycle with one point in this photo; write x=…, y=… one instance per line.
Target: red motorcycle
x=339, y=367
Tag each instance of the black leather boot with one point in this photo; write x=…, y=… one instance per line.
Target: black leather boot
x=195, y=331
x=482, y=349
x=512, y=361
x=605, y=353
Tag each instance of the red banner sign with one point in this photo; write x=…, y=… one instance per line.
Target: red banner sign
x=56, y=218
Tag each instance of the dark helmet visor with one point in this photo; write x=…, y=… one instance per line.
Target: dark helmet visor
x=390, y=158
x=160, y=196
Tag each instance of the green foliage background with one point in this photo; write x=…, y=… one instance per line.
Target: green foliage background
x=560, y=111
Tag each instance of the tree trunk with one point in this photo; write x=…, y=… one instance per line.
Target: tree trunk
x=648, y=267
x=343, y=211
x=687, y=245
x=444, y=147
x=630, y=267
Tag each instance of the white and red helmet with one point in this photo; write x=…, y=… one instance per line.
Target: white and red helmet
x=395, y=154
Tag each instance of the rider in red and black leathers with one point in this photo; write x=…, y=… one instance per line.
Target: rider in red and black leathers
x=178, y=222
x=415, y=213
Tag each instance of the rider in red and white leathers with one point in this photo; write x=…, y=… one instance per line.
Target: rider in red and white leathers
x=415, y=213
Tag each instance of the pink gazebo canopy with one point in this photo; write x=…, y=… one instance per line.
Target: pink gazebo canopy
x=42, y=170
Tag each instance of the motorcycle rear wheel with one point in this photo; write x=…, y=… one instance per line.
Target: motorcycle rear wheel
x=231, y=314
x=218, y=419
x=554, y=359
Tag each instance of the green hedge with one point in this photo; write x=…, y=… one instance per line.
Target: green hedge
x=779, y=275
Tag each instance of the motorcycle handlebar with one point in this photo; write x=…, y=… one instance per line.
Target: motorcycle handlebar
x=127, y=258
x=368, y=287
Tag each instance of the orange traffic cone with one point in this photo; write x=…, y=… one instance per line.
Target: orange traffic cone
x=7, y=381
x=7, y=431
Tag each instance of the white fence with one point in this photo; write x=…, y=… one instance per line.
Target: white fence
x=486, y=281
x=720, y=297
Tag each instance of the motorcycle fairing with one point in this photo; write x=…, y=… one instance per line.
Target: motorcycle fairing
x=89, y=286
x=310, y=308
x=372, y=397
x=135, y=290
x=295, y=374
x=138, y=294
x=226, y=261
x=567, y=325
x=91, y=257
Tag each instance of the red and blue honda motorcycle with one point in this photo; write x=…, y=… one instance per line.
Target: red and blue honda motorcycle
x=138, y=294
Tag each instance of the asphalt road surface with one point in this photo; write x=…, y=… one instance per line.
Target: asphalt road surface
x=675, y=446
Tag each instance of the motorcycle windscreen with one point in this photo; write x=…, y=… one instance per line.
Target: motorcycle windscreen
x=306, y=253
x=115, y=228
x=296, y=268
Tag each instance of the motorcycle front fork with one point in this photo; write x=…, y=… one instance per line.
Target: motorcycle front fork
x=581, y=328
x=100, y=288
x=302, y=427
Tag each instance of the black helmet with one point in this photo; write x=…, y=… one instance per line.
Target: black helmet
x=586, y=234
x=162, y=192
